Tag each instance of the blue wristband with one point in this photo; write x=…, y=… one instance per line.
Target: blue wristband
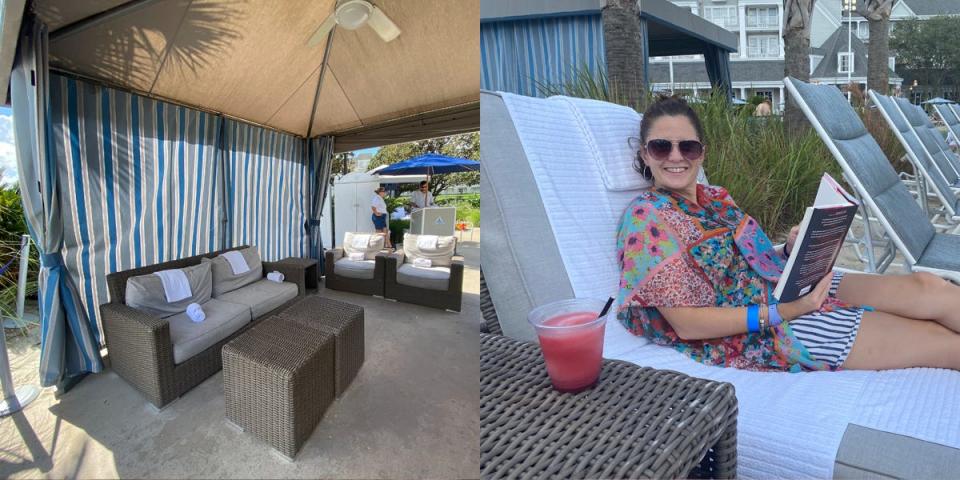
x=774, y=315
x=753, y=318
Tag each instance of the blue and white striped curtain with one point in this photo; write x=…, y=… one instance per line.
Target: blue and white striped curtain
x=517, y=55
x=69, y=345
x=140, y=176
x=321, y=161
x=268, y=190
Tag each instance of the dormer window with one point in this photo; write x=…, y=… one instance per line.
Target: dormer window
x=845, y=62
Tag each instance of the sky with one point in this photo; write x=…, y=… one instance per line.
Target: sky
x=8, y=159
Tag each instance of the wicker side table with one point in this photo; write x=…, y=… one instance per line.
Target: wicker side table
x=344, y=321
x=309, y=265
x=636, y=423
x=278, y=380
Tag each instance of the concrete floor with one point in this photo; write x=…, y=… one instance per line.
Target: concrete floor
x=412, y=412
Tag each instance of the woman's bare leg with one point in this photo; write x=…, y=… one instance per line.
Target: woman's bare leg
x=886, y=341
x=918, y=295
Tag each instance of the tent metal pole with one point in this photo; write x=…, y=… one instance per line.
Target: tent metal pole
x=323, y=71
x=97, y=18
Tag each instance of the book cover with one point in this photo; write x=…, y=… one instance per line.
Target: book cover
x=819, y=240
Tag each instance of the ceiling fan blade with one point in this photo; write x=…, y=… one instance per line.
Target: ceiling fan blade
x=323, y=30
x=382, y=24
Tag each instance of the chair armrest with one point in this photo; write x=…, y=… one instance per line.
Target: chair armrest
x=397, y=259
x=139, y=346
x=295, y=274
x=456, y=274
x=336, y=252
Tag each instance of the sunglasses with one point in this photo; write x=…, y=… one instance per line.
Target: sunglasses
x=660, y=149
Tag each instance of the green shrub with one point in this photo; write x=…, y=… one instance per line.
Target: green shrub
x=396, y=230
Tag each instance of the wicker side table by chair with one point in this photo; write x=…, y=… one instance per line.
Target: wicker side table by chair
x=278, y=380
x=637, y=422
x=341, y=319
x=311, y=273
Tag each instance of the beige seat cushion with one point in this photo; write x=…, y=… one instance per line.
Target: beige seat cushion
x=262, y=296
x=441, y=256
x=223, y=278
x=145, y=292
x=374, y=245
x=361, y=269
x=189, y=338
x=432, y=278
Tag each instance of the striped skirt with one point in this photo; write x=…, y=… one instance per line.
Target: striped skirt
x=829, y=336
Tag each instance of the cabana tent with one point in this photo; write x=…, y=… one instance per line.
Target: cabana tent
x=148, y=130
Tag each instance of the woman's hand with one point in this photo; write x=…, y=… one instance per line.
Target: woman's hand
x=807, y=303
x=792, y=239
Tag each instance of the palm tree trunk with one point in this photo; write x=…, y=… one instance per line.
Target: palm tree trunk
x=796, y=55
x=624, y=50
x=877, y=12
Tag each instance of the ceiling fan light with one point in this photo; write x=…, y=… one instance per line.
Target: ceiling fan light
x=352, y=14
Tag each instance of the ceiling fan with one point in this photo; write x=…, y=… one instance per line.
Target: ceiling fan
x=353, y=14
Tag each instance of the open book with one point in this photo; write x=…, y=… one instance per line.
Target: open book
x=821, y=236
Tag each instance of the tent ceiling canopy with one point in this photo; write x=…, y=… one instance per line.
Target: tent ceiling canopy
x=251, y=60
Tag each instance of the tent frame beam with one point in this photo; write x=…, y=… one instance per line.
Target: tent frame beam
x=323, y=71
x=96, y=19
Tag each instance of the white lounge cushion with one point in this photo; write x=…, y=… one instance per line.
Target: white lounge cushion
x=430, y=278
x=374, y=245
x=145, y=292
x=262, y=296
x=361, y=269
x=440, y=255
x=189, y=338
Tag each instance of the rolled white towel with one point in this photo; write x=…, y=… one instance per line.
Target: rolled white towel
x=355, y=256
x=195, y=312
x=275, y=276
x=422, y=262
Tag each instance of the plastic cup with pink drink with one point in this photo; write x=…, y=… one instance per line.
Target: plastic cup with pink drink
x=571, y=337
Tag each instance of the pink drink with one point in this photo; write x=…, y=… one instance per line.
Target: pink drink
x=571, y=337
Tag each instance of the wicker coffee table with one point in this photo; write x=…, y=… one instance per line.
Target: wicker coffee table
x=636, y=423
x=342, y=320
x=278, y=380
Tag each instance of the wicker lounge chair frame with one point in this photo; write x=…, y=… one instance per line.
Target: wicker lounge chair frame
x=139, y=345
x=372, y=286
x=449, y=299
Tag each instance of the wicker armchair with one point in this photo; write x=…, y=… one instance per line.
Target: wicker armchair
x=366, y=286
x=139, y=344
x=448, y=299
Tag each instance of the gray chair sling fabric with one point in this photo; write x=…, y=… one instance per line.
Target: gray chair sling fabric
x=915, y=150
x=950, y=119
x=866, y=167
x=940, y=141
x=931, y=140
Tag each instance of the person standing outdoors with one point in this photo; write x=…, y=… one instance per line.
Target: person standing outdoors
x=379, y=208
x=422, y=198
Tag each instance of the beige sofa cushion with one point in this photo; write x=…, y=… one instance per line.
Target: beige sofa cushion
x=432, y=278
x=223, y=278
x=439, y=257
x=374, y=245
x=145, y=292
x=360, y=269
x=262, y=296
x=189, y=338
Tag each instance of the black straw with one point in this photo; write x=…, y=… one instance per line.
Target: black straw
x=606, y=307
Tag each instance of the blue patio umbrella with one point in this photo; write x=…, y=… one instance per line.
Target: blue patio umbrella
x=431, y=164
x=938, y=101
x=737, y=101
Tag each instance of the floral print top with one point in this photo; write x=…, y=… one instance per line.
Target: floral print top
x=674, y=253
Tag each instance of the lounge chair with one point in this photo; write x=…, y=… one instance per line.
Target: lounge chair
x=866, y=168
x=934, y=141
x=907, y=126
x=357, y=268
x=950, y=119
x=556, y=176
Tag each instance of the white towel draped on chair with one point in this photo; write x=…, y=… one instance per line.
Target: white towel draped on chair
x=360, y=241
x=427, y=242
x=176, y=287
x=237, y=263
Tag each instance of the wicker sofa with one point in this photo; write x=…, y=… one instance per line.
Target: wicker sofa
x=439, y=286
x=140, y=346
